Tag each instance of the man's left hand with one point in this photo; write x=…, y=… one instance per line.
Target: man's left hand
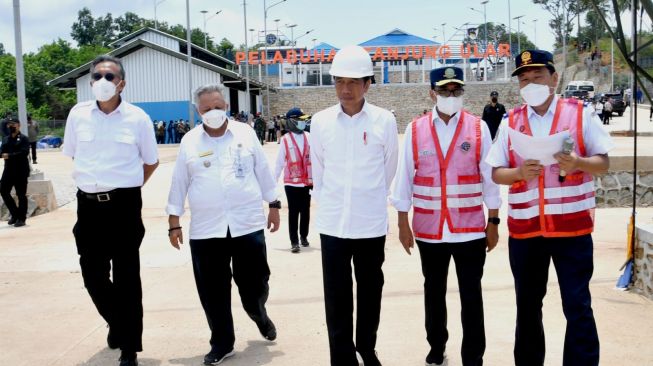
x=273, y=220
x=491, y=236
x=567, y=162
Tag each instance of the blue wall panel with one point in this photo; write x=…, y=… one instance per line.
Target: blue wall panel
x=167, y=111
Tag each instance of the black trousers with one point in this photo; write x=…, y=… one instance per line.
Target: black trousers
x=18, y=181
x=108, y=237
x=272, y=135
x=33, y=147
x=299, y=211
x=573, y=261
x=213, y=260
x=368, y=256
x=470, y=259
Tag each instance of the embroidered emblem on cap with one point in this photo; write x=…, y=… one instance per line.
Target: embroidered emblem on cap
x=449, y=73
x=465, y=146
x=526, y=58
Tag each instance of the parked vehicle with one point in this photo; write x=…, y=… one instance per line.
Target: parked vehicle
x=581, y=85
x=618, y=104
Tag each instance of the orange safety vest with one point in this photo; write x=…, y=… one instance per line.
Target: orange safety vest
x=544, y=206
x=447, y=187
x=298, y=167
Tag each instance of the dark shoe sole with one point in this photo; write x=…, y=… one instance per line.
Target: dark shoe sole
x=217, y=362
x=295, y=249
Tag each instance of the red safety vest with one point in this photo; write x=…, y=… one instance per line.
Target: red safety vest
x=544, y=206
x=447, y=187
x=298, y=168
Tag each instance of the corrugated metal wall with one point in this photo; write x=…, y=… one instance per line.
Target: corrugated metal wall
x=153, y=76
x=161, y=40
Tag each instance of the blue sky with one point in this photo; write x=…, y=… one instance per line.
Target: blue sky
x=338, y=22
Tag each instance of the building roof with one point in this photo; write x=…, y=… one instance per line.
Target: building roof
x=397, y=37
x=120, y=42
x=68, y=80
x=324, y=47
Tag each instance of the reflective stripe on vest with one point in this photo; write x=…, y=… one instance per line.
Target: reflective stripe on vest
x=298, y=168
x=447, y=187
x=544, y=206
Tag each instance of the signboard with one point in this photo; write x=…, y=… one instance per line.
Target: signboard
x=270, y=39
x=443, y=52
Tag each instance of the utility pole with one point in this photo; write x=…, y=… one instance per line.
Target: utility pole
x=20, y=71
x=247, y=99
x=189, y=47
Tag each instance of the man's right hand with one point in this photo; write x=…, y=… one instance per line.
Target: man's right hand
x=176, y=238
x=530, y=170
x=406, y=237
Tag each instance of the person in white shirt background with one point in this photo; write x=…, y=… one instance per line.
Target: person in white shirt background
x=294, y=161
x=114, y=150
x=223, y=171
x=448, y=216
x=354, y=159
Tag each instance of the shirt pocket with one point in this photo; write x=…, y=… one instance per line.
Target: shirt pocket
x=125, y=136
x=85, y=134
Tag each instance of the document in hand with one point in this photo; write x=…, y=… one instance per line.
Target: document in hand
x=537, y=148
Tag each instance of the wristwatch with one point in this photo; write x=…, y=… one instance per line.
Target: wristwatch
x=494, y=220
x=275, y=204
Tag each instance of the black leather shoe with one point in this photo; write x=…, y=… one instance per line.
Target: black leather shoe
x=268, y=330
x=305, y=242
x=215, y=357
x=432, y=359
x=294, y=248
x=112, y=339
x=370, y=359
x=128, y=359
x=19, y=223
x=11, y=221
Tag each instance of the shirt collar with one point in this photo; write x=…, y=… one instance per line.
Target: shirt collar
x=365, y=109
x=551, y=110
x=120, y=109
x=436, y=117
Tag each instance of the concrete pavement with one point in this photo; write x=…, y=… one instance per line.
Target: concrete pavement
x=49, y=319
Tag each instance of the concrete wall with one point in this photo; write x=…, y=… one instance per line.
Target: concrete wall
x=643, y=269
x=615, y=189
x=408, y=100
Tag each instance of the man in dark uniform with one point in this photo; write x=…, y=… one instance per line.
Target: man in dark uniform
x=15, y=152
x=493, y=113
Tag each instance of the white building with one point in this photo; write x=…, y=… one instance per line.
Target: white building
x=157, y=76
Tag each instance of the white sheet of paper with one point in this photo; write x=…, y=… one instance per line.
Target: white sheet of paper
x=537, y=148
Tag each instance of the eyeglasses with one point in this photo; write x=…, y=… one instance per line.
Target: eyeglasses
x=109, y=76
x=445, y=93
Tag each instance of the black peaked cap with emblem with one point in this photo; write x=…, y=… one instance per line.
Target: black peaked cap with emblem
x=446, y=75
x=533, y=58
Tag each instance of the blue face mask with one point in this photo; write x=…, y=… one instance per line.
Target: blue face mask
x=301, y=125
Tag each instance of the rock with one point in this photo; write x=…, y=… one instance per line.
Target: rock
x=609, y=182
x=646, y=179
x=646, y=199
x=625, y=178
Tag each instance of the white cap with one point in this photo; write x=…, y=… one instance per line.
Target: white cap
x=352, y=62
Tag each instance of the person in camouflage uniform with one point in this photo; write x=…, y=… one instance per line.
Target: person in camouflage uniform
x=259, y=127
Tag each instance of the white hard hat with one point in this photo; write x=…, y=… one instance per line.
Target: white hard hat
x=352, y=62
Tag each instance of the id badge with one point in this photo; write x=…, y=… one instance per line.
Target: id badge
x=238, y=164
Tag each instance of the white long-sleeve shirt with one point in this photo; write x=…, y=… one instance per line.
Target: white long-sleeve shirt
x=281, y=156
x=207, y=172
x=402, y=191
x=354, y=160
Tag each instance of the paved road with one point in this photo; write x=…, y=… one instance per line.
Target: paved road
x=48, y=318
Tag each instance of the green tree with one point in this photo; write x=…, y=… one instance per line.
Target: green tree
x=562, y=12
x=83, y=30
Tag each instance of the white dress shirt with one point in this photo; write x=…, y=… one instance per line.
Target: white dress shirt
x=354, y=160
x=402, y=191
x=597, y=140
x=207, y=172
x=281, y=156
x=109, y=150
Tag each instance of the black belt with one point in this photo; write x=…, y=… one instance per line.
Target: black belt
x=107, y=196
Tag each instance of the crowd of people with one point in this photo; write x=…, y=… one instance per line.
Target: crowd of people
x=442, y=182
x=171, y=132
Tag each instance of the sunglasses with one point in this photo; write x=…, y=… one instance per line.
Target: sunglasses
x=109, y=76
x=447, y=93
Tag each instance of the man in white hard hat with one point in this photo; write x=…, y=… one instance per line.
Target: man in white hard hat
x=354, y=159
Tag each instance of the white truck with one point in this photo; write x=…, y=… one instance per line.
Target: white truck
x=578, y=87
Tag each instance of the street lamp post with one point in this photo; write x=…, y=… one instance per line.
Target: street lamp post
x=20, y=71
x=444, y=39
x=509, y=31
x=535, y=32
x=205, y=20
x=247, y=96
x=518, y=33
x=484, y=3
x=292, y=33
x=265, y=35
x=251, y=33
x=156, y=3
x=189, y=47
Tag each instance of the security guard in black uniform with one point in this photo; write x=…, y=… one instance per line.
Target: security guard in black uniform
x=15, y=153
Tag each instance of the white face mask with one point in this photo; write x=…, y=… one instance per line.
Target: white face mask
x=214, y=118
x=535, y=94
x=103, y=90
x=449, y=105
x=301, y=125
